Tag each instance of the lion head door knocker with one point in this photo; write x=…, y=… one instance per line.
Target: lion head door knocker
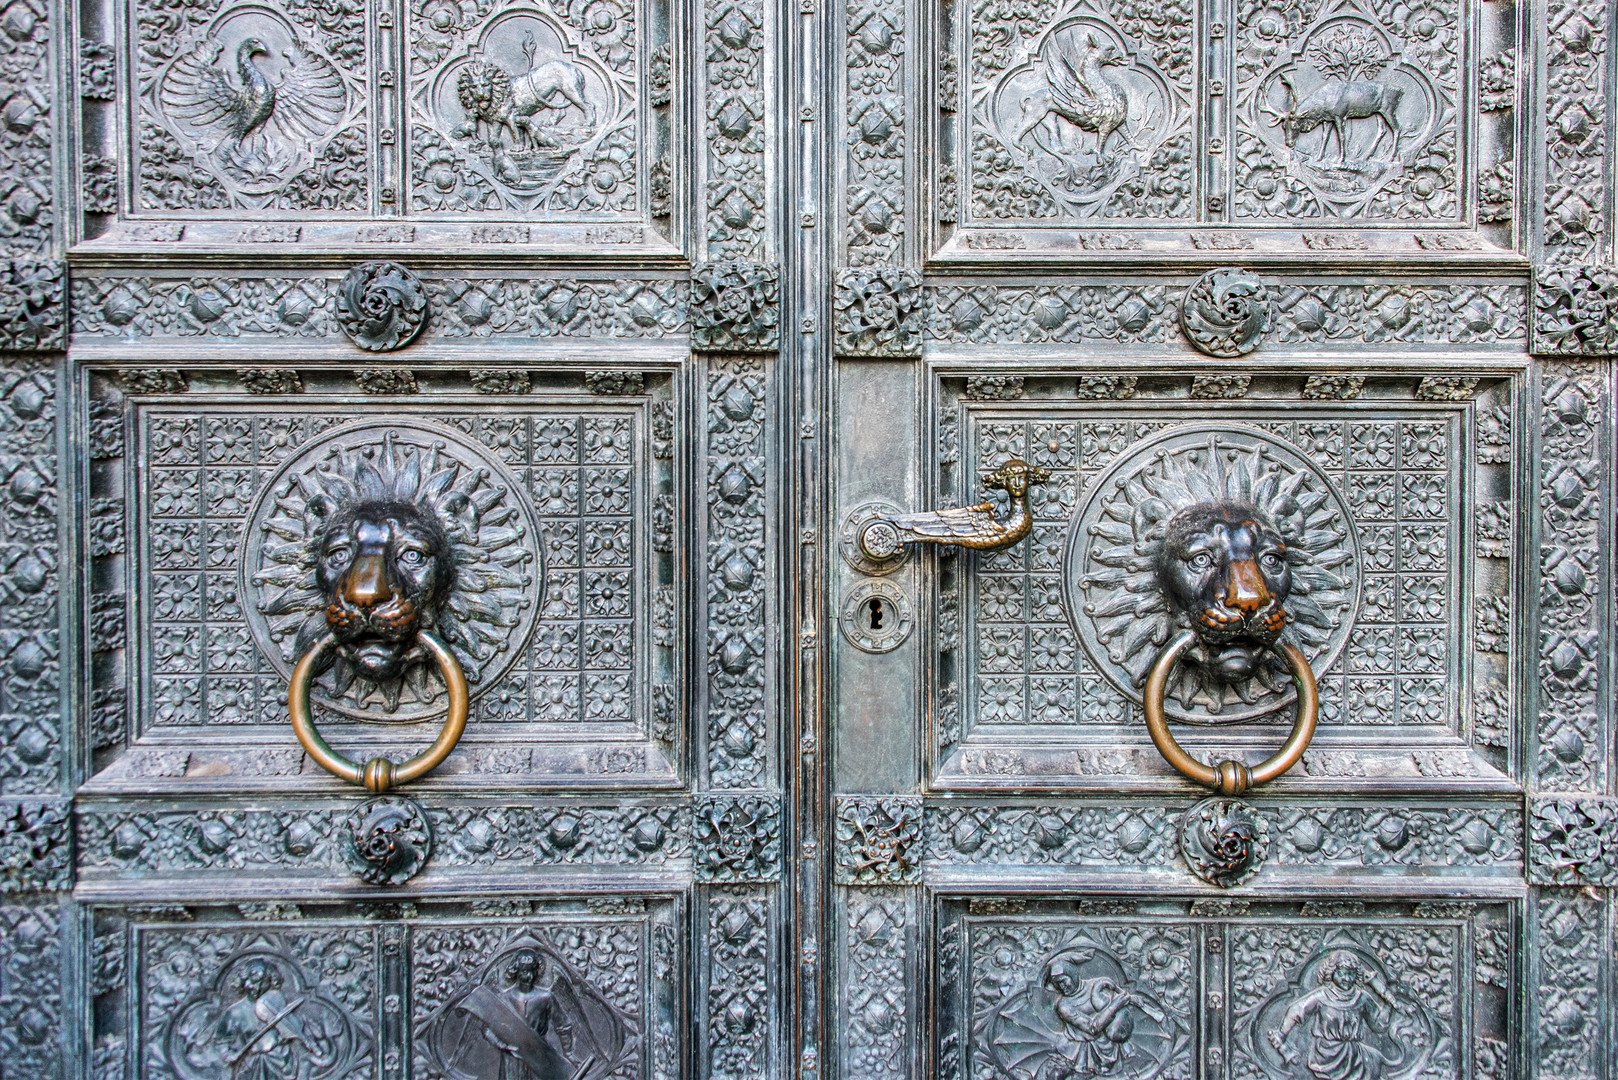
x=1212, y=573
x=392, y=566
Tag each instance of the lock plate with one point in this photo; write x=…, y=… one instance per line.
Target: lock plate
x=876, y=616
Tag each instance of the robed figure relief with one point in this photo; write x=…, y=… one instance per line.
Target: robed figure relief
x=516, y=1020
x=260, y=1019
x=528, y=1016
x=1079, y=1014
x=1343, y=1015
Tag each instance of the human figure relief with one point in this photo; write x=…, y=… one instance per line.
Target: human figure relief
x=529, y=1017
x=517, y=1019
x=1095, y=1018
x=1347, y=1007
x=260, y=1036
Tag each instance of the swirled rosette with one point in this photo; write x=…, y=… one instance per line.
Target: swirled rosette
x=381, y=305
x=1226, y=312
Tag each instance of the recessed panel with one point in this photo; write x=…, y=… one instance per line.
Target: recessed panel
x=1166, y=989
x=1379, y=532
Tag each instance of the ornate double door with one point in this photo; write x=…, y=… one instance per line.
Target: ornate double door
x=583, y=539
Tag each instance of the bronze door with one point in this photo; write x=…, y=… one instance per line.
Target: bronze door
x=635, y=538
x=1183, y=368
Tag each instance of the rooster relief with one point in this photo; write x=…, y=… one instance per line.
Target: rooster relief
x=253, y=103
x=1083, y=115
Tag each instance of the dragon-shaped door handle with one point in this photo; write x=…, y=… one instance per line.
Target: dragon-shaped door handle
x=882, y=536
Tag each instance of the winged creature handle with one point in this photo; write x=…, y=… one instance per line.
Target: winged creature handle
x=975, y=527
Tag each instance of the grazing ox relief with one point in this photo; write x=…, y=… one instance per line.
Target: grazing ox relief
x=1348, y=121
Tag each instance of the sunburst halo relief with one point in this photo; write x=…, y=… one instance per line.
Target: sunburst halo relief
x=493, y=546
x=1114, y=599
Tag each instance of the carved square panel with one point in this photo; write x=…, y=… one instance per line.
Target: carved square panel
x=226, y=999
x=1081, y=111
x=253, y=109
x=574, y=993
x=535, y=111
x=1396, y=507
x=557, y=603
x=280, y=122
x=1349, y=110
x=1212, y=989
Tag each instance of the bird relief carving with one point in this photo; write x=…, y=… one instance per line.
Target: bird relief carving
x=253, y=102
x=525, y=108
x=1084, y=113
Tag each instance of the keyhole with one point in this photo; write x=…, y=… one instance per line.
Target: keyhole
x=876, y=613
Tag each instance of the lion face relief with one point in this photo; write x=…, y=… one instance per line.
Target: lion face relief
x=384, y=570
x=381, y=532
x=1224, y=569
x=1231, y=534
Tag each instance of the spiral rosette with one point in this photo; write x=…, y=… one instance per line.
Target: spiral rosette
x=1227, y=312
x=381, y=305
x=1223, y=841
x=388, y=840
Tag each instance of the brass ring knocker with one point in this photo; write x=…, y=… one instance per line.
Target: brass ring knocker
x=378, y=774
x=1231, y=777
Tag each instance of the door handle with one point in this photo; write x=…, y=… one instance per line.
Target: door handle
x=882, y=536
x=378, y=774
x=1231, y=777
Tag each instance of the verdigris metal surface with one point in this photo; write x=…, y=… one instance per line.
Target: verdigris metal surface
x=586, y=338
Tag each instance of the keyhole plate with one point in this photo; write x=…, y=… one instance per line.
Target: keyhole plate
x=875, y=616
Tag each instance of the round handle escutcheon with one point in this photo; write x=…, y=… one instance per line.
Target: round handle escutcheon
x=1231, y=777
x=378, y=774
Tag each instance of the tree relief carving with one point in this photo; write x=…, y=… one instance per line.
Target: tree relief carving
x=1347, y=109
x=1057, y=1002
x=521, y=110
x=1230, y=533
x=375, y=531
x=249, y=101
x=1086, y=124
